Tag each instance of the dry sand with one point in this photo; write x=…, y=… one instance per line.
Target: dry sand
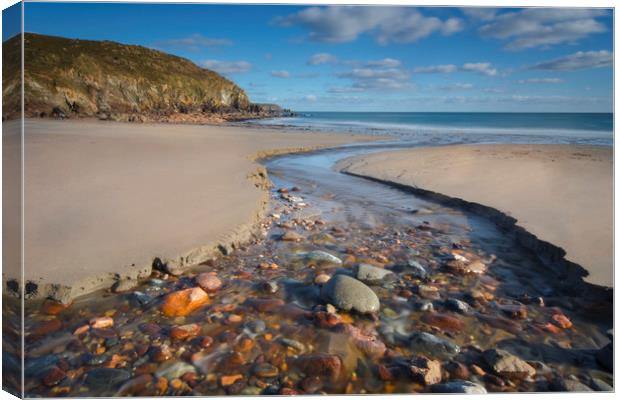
x=560, y=193
x=103, y=199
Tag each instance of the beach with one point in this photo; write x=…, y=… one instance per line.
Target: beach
x=563, y=194
x=104, y=199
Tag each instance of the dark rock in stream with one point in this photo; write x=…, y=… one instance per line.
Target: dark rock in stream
x=458, y=386
x=605, y=357
x=458, y=306
x=413, y=268
x=433, y=346
x=102, y=379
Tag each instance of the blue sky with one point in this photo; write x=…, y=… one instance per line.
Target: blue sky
x=371, y=58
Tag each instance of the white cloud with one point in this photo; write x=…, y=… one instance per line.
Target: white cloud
x=481, y=67
x=280, y=74
x=322, y=58
x=437, y=69
x=457, y=86
x=386, y=62
x=481, y=13
x=310, y=97
x=339, y=24
x=195, y=43
x=541, y=80
x=543, y=27
x=386, y=74
x=576, y=61
x=227, y=67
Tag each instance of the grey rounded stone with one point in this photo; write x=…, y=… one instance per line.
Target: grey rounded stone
x=348, y=293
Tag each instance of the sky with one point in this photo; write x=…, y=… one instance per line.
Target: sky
x=371, y=58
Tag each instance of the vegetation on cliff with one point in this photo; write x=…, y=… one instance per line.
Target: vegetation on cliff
x=72, y=78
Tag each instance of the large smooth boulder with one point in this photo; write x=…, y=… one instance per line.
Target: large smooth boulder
x=348, y=294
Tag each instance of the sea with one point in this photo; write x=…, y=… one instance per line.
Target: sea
x=460, y=127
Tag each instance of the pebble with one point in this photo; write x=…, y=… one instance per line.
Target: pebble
x=459, y=386
x=321, y=279
x=101, y=322
x=319, y=256
x=184, y=332
x=433, y=346
x=425, y=370
x=266, y=370
x=209, y=281
x=458, y=306
x=320, y=364
x=174, y=369
x=228, y=380
x=413, y=268
x=291, y=236
x=293, y=344
x=508, y=365
x=348, y=294
x=372, y=275
x=106, y=378
x=54, y=376
x=183, y=302
x=443, y=321
x=561, y=321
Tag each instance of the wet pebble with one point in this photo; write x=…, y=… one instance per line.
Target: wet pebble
x=106, y=378
x=183, y=302
x=508, y=365
x=372, y=275
x=174, y=369
x=348, y=294
x=458, y=306
x=458, y=386
x=433, y=346
x=209, y=281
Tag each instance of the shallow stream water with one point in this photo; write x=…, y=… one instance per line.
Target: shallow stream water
x=269, y=330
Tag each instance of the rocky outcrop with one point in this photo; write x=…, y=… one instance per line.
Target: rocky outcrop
x=71, y=78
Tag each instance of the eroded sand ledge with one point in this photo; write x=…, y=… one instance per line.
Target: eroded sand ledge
x=103, y=199
x=556, y=198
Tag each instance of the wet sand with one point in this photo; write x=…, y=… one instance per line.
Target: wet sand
x=560, y=193
x=104, y=199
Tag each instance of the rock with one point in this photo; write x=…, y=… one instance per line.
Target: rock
x=605, y=357
x=255, y=326
x=106, y=378
x=135, y=386
x=293, y=344
x=425, y=370
x=321, y=279
x=265, y=370
x=458, y=306
x=569, y=385
x=124, y=285
x=184, y=332
x=458, y=386
x=291, y=236
x=413, y=268
x=149, y=328
x=54, y=376
x=601, y=386
x=349, y=294
x=183, y=302
x=321, y=365
x=561, y=321
x=319, y=256
x=372, y=275
x=139, y=298
x=101, y=322
x=209, y=281
x=508, y=365
x=266, y=305
x=269, y=287
x=429, y=292
x=514, y=310
x=52, y=307
x=228, y=380
x=458, y=370
x=311, y=384
x=174, y=369
x=443, y=321
x=433, y=346
x=426, y=306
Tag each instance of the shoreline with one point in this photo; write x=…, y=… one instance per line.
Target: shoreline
x=69, y=239
x=484, y=179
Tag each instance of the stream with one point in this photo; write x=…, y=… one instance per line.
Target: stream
x=463, y=307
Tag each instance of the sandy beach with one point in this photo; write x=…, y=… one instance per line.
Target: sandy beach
x=104, y=199
x=560, y=193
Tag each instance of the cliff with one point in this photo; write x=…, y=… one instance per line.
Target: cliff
x=71, y=78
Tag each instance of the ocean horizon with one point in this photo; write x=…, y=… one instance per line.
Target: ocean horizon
x=461, y=127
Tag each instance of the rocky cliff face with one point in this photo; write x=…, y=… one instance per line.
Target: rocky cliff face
x=70, y=78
